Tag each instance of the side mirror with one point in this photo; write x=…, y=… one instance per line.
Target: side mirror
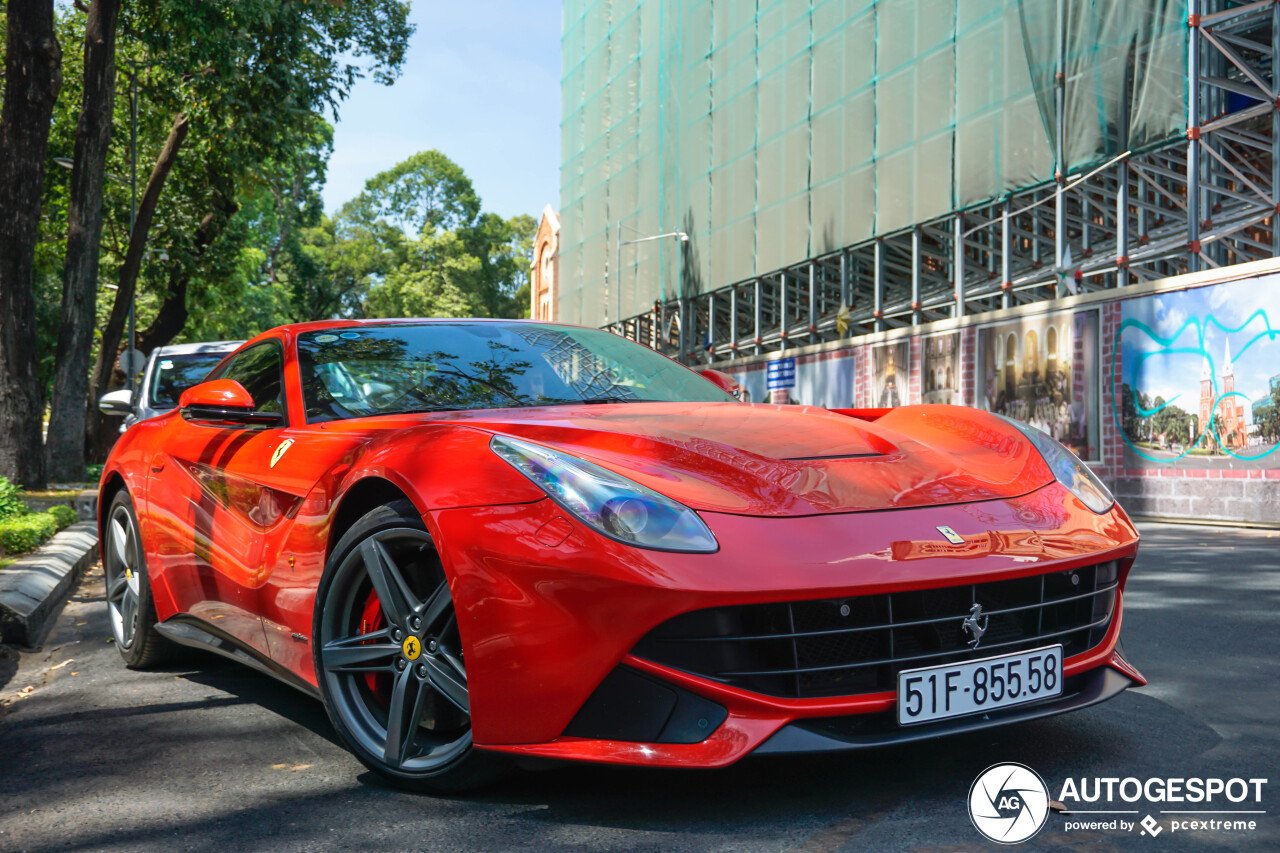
x=224, y=403
x=723, y=381
x=116, y=403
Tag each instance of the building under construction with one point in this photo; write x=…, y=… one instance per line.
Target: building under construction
x=745, y=176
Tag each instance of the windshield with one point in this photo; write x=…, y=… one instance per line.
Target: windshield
x=176, y=373
x=379, y=370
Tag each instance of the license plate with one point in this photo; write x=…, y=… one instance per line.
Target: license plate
x=974, y=687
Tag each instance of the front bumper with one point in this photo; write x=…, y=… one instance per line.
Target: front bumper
x=548, y=610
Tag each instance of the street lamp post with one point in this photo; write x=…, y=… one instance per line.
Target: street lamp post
x=678, y=235
x=133, y=199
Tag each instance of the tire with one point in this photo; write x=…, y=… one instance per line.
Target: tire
x=389, y=658
x=130, y=606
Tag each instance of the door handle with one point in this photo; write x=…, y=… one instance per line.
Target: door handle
x=157, y=468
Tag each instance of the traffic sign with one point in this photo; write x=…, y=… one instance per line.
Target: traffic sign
x=131, y=362
x=781, y=374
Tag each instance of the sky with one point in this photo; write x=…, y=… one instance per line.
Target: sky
x=1252, y=328
x=480, y=83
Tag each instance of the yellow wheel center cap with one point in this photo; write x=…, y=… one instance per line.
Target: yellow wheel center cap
x=412, y=647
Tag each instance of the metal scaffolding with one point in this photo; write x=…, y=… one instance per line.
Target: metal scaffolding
x=1207, y=200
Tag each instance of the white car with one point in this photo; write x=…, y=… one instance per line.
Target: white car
x=169, y=371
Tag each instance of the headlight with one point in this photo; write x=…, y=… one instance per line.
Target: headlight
x=1068, y=469
x=612, y=504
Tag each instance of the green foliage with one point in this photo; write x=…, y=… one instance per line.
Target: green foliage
x=257, y=79
x=441, y=256
x=63, y=515
x=24, y=533
x=437, y=279
x=245, y=241
x=11, y=503
x=428, y=191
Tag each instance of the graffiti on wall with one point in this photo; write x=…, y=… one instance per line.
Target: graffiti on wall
x=1042, y=370
x=1199, y=377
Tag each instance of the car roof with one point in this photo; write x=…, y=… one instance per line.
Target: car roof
x=320, y=325
x=190, y=349
x=316, y=325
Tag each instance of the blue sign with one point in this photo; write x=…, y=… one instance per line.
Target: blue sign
x=781, y=374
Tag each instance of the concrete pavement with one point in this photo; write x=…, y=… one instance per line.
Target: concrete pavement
x=209, y=756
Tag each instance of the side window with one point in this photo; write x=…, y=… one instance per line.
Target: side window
x=259, y=369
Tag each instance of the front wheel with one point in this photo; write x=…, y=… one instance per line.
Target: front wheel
x=389, y=658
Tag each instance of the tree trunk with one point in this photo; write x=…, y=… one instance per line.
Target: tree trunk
x=64, y=446
x=100, y=432
x=33, y=76
x=172, y=316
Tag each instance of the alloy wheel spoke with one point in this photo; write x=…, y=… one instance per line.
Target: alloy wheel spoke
x=117, y=588
x=354, y=655
x=128, y=611
x=408, y=701
x=447, y=682
x=119, y=538
x=131, y=548
x=398, y=601
x=455, y=663
x=437, y=606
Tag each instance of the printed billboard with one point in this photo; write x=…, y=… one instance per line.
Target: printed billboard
x=940, y=373
x=1043, y=370
x=1199, y=383
x=890, y=374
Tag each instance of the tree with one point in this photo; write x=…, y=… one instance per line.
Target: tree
x=453, y=259
x=64, y=446
x=426, y=191
x=437, y=280
x=33, y=76
x=247, y=80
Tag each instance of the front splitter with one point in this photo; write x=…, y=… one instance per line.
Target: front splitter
x=862, y=731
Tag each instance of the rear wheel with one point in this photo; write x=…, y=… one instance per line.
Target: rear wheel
x=389, y=656
x=129, y=603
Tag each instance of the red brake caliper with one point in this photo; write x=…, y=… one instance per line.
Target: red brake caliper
x=371, y=621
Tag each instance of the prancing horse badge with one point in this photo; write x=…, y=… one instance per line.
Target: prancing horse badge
x=284, y=445
x=952, y=537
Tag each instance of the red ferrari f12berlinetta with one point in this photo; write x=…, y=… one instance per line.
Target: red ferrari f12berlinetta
x=474, y=540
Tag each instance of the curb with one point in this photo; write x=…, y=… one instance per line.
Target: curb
x=32, y=588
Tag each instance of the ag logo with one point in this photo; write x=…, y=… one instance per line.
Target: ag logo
x=1008, y=803
x=284, y=445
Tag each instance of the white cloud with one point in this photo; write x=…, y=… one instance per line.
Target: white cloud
x=1169, y=316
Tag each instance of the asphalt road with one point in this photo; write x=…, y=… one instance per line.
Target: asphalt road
x=208, y=756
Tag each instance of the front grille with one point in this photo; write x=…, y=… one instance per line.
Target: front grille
x=859, y=644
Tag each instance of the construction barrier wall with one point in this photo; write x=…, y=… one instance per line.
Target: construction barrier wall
x=772, y=131
x=1169, y=389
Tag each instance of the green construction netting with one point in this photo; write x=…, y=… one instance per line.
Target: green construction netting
x=776, y=130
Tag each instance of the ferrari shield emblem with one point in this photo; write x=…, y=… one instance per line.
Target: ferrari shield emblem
x=952, y=537
x=284, y=445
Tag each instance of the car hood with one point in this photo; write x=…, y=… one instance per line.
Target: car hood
x=757, y=459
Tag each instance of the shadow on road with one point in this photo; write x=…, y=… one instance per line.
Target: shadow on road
x=240, y=761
